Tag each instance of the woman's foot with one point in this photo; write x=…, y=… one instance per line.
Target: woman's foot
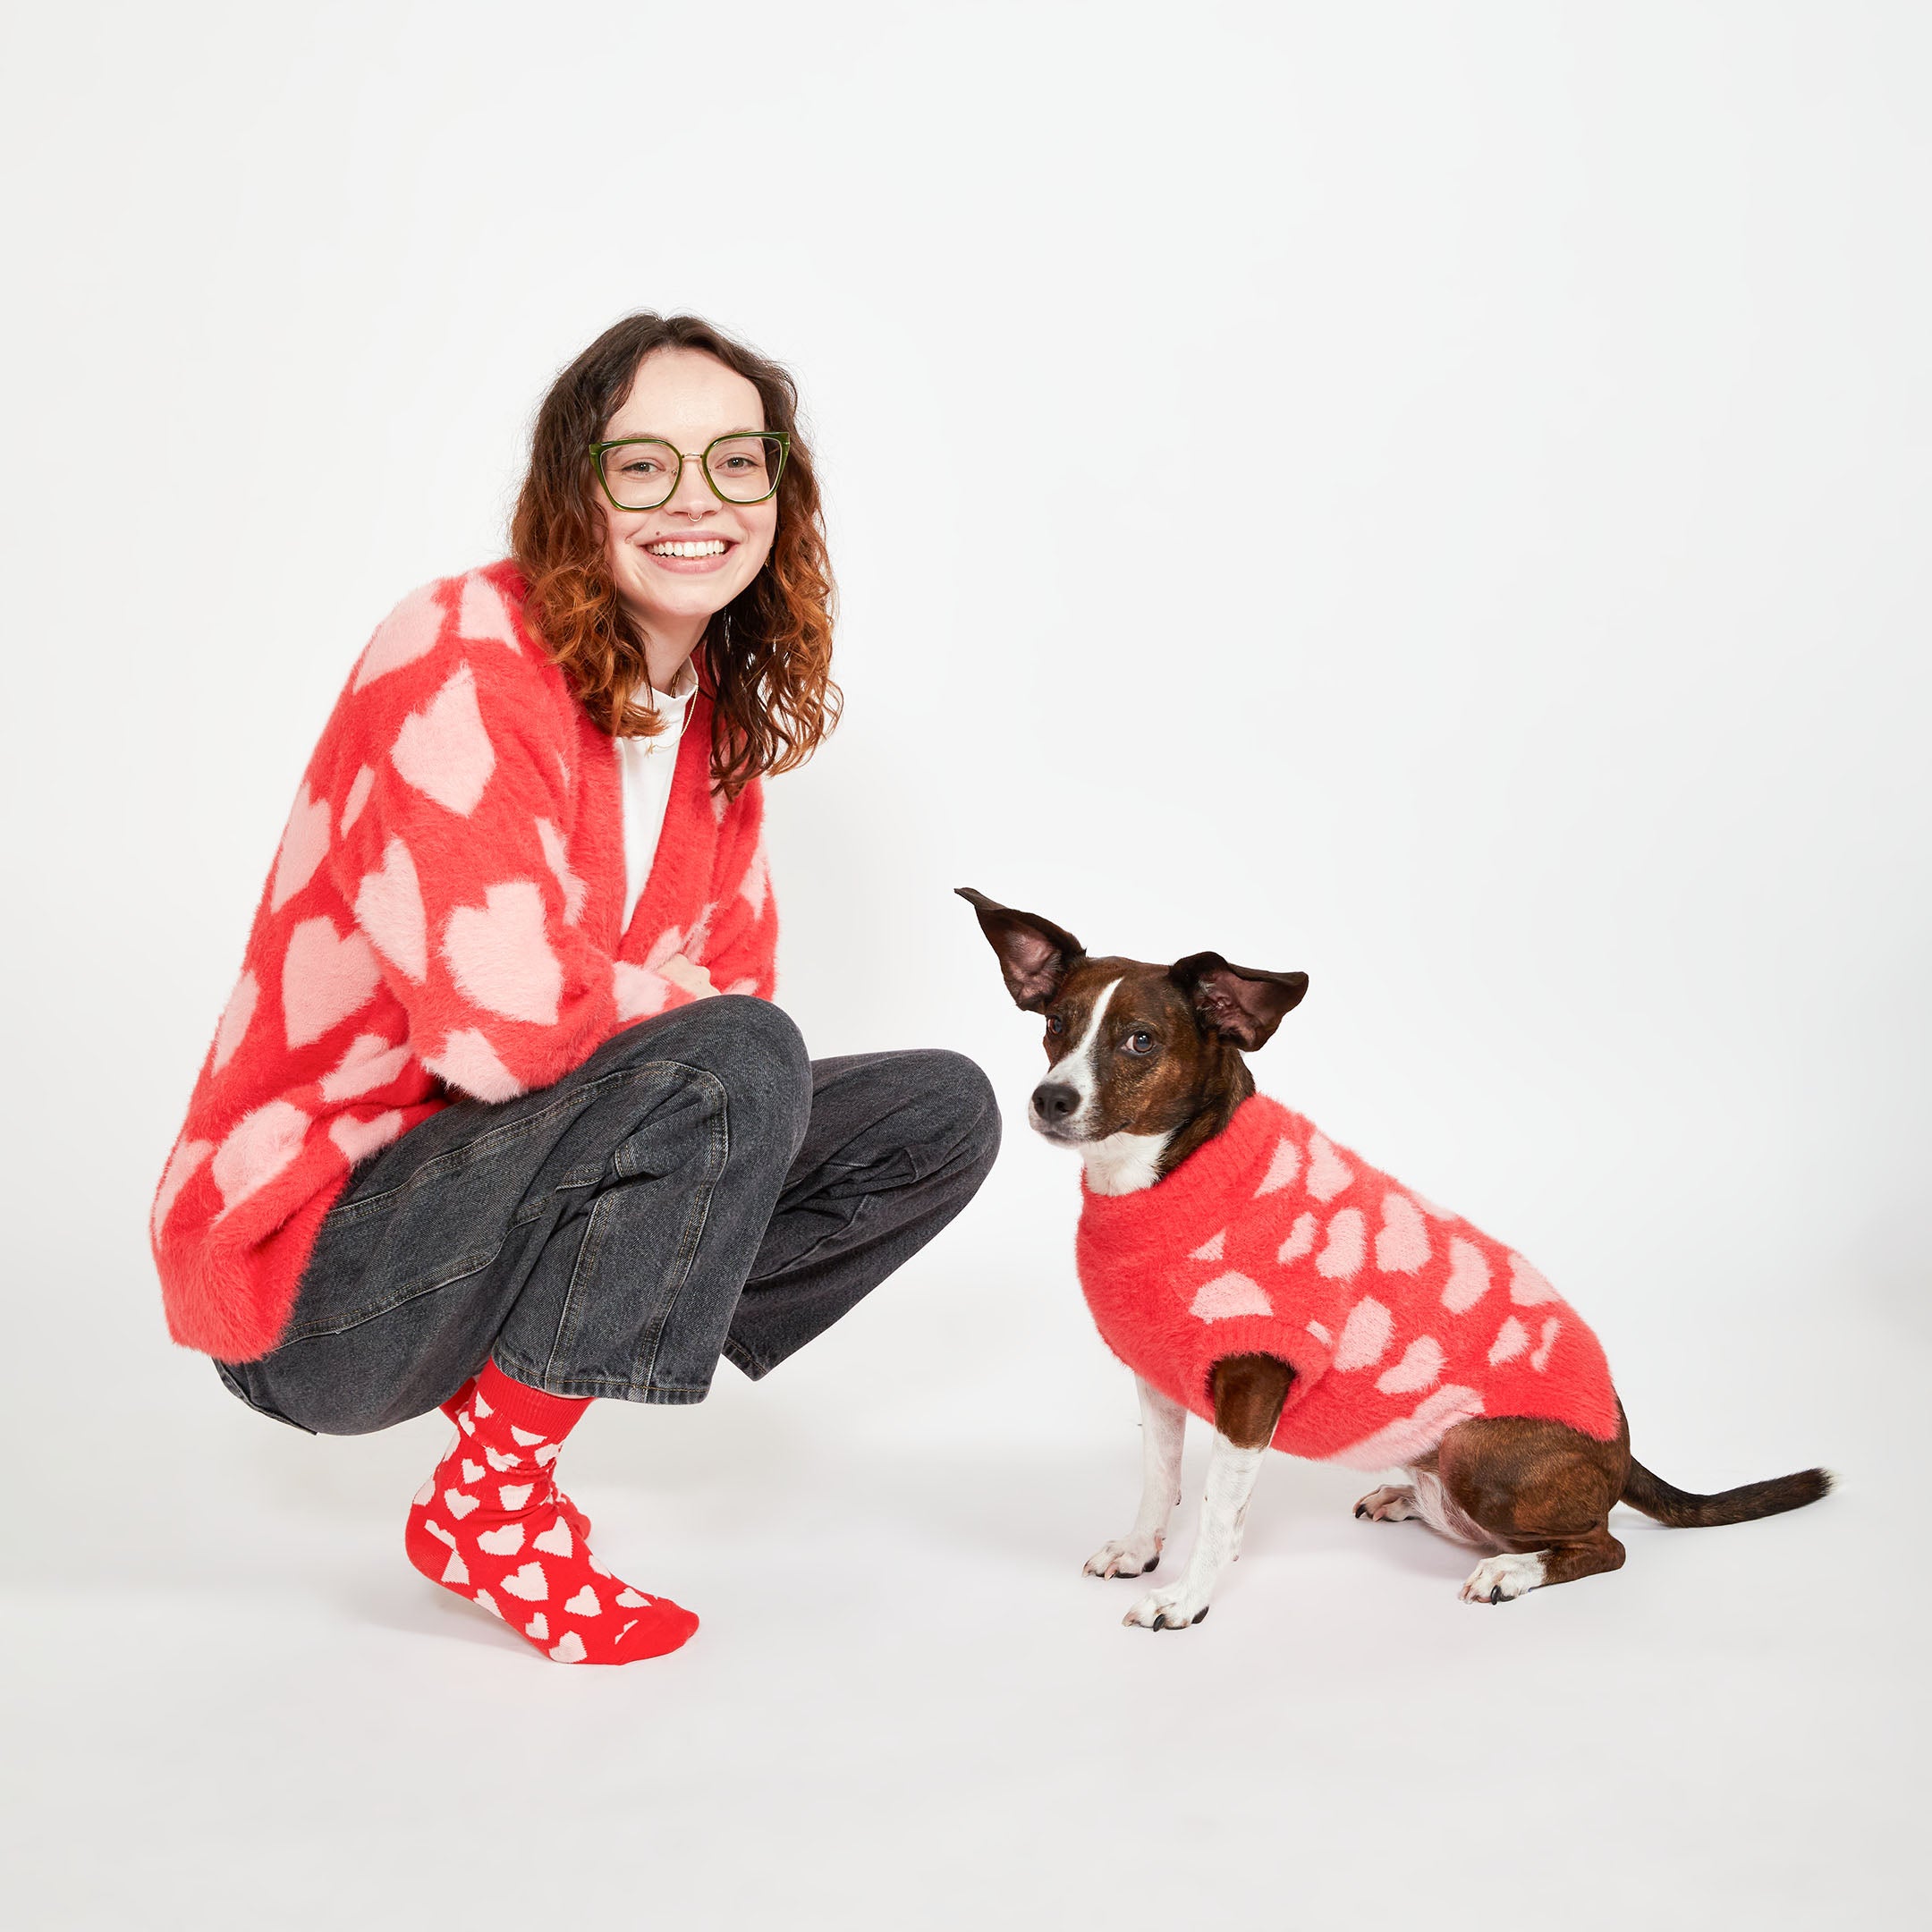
x=490, y=1526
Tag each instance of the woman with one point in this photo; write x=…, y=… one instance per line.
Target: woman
x=499, y=1116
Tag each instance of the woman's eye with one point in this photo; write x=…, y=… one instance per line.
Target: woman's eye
x=1054, y=1023
x=1140, y=1043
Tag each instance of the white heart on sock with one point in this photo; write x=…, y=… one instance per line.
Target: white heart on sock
x=571, y=1650
x=472, y=1471
x=426, y=1493
x=546, y=1455
x=584, y=1603
x=514, y=1495
x=629, y=1599
x=626, y=1630
x=456, y=1571
x=537, y=1627
x=524, y=1437
x=500, y=1463
x=465, y=1424
x=595, y=1564
x=439, y=1533
x=488, y=1602
x=504, y=1542
x=555, y=1541
x=457, y=1503
x=483, y=1408
x=530, y=1583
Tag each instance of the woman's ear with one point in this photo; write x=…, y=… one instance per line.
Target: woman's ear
x=1034, y=954
x=1243, y=1003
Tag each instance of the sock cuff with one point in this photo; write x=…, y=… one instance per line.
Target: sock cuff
x=529, y=1408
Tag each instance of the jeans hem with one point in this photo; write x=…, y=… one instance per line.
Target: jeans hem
x=742, y=1358
x=601, y=1388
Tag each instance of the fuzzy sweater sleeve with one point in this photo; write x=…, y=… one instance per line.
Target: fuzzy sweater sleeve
x=740, y=951
x=452, y=857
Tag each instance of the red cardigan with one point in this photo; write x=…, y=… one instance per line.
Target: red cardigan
x=1399, y=1318
x=441, y=919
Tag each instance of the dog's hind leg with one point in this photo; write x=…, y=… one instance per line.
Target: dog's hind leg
x=1163, y=1429
x=1540, y=1490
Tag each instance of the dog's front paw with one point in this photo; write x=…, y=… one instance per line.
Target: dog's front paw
x=1127, y=1555
x=1388, y=1505
x=1499, y=1579
x=1172, y=1608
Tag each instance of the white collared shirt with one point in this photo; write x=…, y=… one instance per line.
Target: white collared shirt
x=647, y=765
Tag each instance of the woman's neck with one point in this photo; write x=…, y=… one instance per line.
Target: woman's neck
x=668, y=644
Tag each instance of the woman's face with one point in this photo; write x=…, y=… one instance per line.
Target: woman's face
x=688, y=398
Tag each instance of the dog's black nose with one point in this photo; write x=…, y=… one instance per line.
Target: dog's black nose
x=1053, y=1101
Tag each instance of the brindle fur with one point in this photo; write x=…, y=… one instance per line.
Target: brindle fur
x=1529, y=1486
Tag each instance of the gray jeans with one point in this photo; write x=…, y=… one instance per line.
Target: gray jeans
x=698, y=1187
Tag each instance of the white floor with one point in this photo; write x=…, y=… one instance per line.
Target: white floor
x=229, y=1701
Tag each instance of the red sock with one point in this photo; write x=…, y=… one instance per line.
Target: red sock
x=580, y=1523
x=489, y=1525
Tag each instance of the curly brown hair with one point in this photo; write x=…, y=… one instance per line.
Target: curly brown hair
x=767, y=664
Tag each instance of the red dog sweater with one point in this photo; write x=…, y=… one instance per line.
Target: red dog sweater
x=444, y=917
x=1398, y=1318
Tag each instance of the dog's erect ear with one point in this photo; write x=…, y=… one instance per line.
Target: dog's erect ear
x=1243, y=1003
x=1034, y=954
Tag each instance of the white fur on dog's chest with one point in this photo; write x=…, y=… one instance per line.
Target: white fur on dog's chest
x=1123, y=1163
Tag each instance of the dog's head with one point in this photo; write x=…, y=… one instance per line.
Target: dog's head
x=1144, y=1062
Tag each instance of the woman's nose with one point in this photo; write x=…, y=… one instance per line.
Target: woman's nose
x=692, y=497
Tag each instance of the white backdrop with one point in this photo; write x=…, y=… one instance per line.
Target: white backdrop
x=1432, y=496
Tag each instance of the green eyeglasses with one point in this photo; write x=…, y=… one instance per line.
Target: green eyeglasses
x=641, y=473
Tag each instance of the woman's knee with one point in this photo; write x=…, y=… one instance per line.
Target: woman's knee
x=960, y=1104
x=757, y=1051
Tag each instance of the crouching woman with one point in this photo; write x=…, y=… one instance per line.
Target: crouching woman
x=500, y=1117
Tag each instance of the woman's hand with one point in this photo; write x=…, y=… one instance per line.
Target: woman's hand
x=694, y=979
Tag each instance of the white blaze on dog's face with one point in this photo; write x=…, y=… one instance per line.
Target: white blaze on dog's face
x=1139, y=1056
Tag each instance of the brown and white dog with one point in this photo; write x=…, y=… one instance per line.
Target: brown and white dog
x=1145, y=1069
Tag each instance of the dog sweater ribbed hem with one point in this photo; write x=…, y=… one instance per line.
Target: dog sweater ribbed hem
x=1399, y=1318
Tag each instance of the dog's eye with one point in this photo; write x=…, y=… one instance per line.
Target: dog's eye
x=1140, y=1043
x=1054, y=1023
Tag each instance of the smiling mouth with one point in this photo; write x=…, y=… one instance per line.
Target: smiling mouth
x=688, y=546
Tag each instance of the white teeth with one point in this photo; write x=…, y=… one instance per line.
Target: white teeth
x=713, y=547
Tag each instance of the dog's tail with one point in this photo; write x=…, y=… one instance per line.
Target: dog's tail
x=1682, y=1510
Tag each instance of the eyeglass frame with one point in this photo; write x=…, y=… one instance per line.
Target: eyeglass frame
x=781, y=437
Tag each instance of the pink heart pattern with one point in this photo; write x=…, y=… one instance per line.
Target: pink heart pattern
x=305, y=842
x=370, y=1062
x=408, y=633
x=444, y=749
x=389, y=908
x=357, y=1139
x=326, y=977
x=234, y=1020
x=500, y=954
x=256, y=1148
